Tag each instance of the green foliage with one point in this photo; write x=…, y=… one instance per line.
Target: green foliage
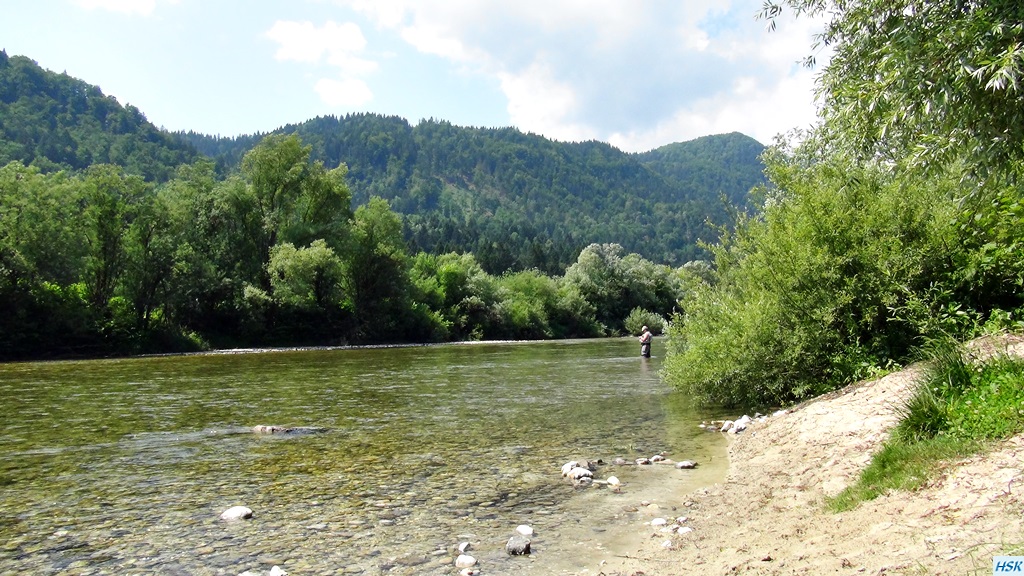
x=378, y=271
x=638, y=318
x=307, y=278
x=727, y=164
x=926, y=82
x=616, y=284
x=815, y=292
x=993, y=408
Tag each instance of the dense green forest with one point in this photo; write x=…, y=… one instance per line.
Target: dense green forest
x=103, y=262
x=57, y=122
x=119, y=238
x=516, y=201
x=896, y=222
x=519, y=201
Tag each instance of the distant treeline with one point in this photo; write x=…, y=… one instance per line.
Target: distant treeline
x=104, y=262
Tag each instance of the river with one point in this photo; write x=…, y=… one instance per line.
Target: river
x=123, y=466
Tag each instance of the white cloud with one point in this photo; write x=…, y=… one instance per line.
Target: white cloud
x=346, y=92
x=537, y=102
x=339, y=46
x=758, y=109
x=638, y=74
x=140, y=7
x=304, y=42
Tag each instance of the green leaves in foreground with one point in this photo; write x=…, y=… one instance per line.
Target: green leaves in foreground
x=956, y=410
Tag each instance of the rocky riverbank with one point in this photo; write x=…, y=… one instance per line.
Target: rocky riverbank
x=768, y=516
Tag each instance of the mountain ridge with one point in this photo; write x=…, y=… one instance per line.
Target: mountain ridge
x=516, y=200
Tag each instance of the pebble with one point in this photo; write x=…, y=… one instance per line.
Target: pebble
x=465, y=561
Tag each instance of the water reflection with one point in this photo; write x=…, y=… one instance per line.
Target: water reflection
x=124, y=465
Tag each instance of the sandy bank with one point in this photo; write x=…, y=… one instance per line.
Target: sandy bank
x=767, y=517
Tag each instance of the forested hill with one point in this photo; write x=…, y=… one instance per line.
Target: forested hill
x=514, y=200
x=54, y=121
x=729, y=163
x=520, y=200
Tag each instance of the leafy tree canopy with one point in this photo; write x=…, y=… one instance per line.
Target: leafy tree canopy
x=924, y=81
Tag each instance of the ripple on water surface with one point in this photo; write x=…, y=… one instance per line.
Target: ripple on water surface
x=124, y=466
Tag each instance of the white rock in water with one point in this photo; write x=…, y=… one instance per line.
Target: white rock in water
x=657, y=458
x=659, y=522
x=569, y=466
x=779, y=413
x=578, y=473
x=278, y=571
x=686, y=464
x=643, y=461
x=726, y=426
x=236, y=513
x=524, y=530
x=463, y=547
x=613, y=481
x=465, y=561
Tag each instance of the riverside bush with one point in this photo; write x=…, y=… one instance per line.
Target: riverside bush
x=815, y=291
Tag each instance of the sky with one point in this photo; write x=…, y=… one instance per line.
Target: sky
x=637, y=74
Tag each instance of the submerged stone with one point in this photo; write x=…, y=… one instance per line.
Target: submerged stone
x=517, y=545
x=236, y=513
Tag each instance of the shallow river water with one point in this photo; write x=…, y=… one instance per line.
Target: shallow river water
x=123, y=466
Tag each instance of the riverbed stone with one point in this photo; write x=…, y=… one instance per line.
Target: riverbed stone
x=236, y=513
x=569, y=466
x=517, y=545
x=741, y=424
x=465, y=561
x=524, y=530
x=686, y=464
x=579, y=473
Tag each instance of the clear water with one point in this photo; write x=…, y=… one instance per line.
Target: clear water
x=123, y=466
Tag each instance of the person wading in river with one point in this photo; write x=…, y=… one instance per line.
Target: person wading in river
x=645, y=342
